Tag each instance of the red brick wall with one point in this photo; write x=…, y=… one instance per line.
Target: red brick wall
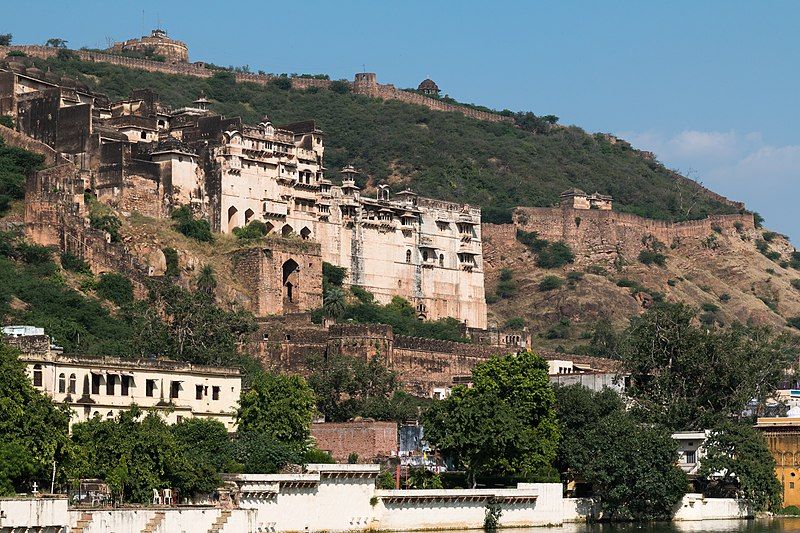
x=369, y=439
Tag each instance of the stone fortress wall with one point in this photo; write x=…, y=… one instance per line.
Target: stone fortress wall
x=365, y=83
x=598, y=235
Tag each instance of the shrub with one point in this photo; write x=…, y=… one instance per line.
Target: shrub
x=716, y=228
x=106, y=222
x=254, y=230
x=794, y=322
x=625, y=282
x=340, y=86
x=769, y=236
x=115, y=288
x=549, y=283
x=648, y=257
x=560, y=330
x=171, y=258
x=74, y=263
x=497, y=215
x=283, y=83
x=672, y=282
x=758, y=220
x=186, y=224
x=514, y=323
x=363, y=295
x=796, y=284
x=574, y=276
x=555, y=255
x=531, y=240
x=7, y=121
x=709, y=307
x=492, y=298
x=67, y=55
x=738, y=226
x=597, y=270
x=724, y=297
x=771, y=271
x=773, y=255
x=507, y=286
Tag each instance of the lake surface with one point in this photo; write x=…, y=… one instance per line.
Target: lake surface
x=763, y=525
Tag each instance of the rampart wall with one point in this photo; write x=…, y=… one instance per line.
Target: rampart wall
x=370, y=88
x=19, y=140
x=597, y=235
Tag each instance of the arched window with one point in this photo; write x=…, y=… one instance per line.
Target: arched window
x=62, y=383
x=37, y=375
x=72, y=384
x=110, y=415
x=305, y=233
x=248, y=216
x=424, y=255
x=441, y=260
x=144, y=134
x=232, y=218
x=286, y=230
x=408, y=256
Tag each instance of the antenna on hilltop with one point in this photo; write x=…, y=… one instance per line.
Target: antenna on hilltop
x=142, y=21
x=363, y=67
x=158, y=20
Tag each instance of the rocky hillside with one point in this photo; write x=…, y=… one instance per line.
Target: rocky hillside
x=730, y=271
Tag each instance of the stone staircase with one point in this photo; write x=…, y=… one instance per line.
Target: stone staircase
x=220, y=522
x=83, y=523
x=154, y=522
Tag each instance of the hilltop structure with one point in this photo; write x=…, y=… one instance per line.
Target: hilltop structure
x=155, y=44
x=139, y=156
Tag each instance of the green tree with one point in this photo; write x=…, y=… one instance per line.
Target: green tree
x=5, y=39
x=738, y=462
x=686, y=377
x=631, y=468
x=115, y=288
x=55, y=42
x=207, y=281
x=185, y=223
x=334, y=303
x=188, y=326
x=279, y=407
x=34, y=431
x=346, y=387
x=504, y=425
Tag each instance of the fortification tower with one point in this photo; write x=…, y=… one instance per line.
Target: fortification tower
x=366, y=83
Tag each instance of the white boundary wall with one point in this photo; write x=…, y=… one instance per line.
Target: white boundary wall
x=174, y=521
x=696, y=507
x=38, y=514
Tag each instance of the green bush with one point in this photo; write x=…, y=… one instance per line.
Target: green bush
x=649, y=257
x=769, y=236
x=555, y=255
x=186, y=224
x=254, y=230
x=625, y=282
x=507, y=286
x=281, y=83
x=574, y=276
x=340, y=87
x=597, y=270
x=515, y=323
x=794, y=321
x=560, y=330
x=115, y=288
x=796, y=284
x=709, y=307
x=74, y=263
x=724, y=297
x=550, y=283
x=171, y=258
x=106, y=222
x=497, y=215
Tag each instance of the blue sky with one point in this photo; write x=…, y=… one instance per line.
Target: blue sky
x=712, y=87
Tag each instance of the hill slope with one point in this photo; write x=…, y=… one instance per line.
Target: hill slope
x=444, y=155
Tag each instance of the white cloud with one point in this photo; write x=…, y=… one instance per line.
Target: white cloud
x=740, y=166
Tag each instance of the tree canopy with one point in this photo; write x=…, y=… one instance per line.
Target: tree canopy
x=504, y=425
x=34, y=431
x=630, y=465
x=278, y=406
x=684, y=376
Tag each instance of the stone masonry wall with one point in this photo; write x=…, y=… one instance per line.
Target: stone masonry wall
x=376, y=90
x=19, y=140
x=596, y=235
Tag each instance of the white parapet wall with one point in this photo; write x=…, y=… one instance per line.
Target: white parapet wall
x=530, y=504
x=164, y=520
x=696, y=507
x=344, y=498
x=47, y=515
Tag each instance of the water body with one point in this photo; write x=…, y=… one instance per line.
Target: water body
x=765, y=525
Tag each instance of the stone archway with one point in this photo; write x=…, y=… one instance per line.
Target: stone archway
x=248, y=216
x=291, y=283
x=233, y=218
x=305, y=233
x=287, y=230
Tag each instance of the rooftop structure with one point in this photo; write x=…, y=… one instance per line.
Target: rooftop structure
x=577, y=199
x=429, y=87
x=157, y=44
